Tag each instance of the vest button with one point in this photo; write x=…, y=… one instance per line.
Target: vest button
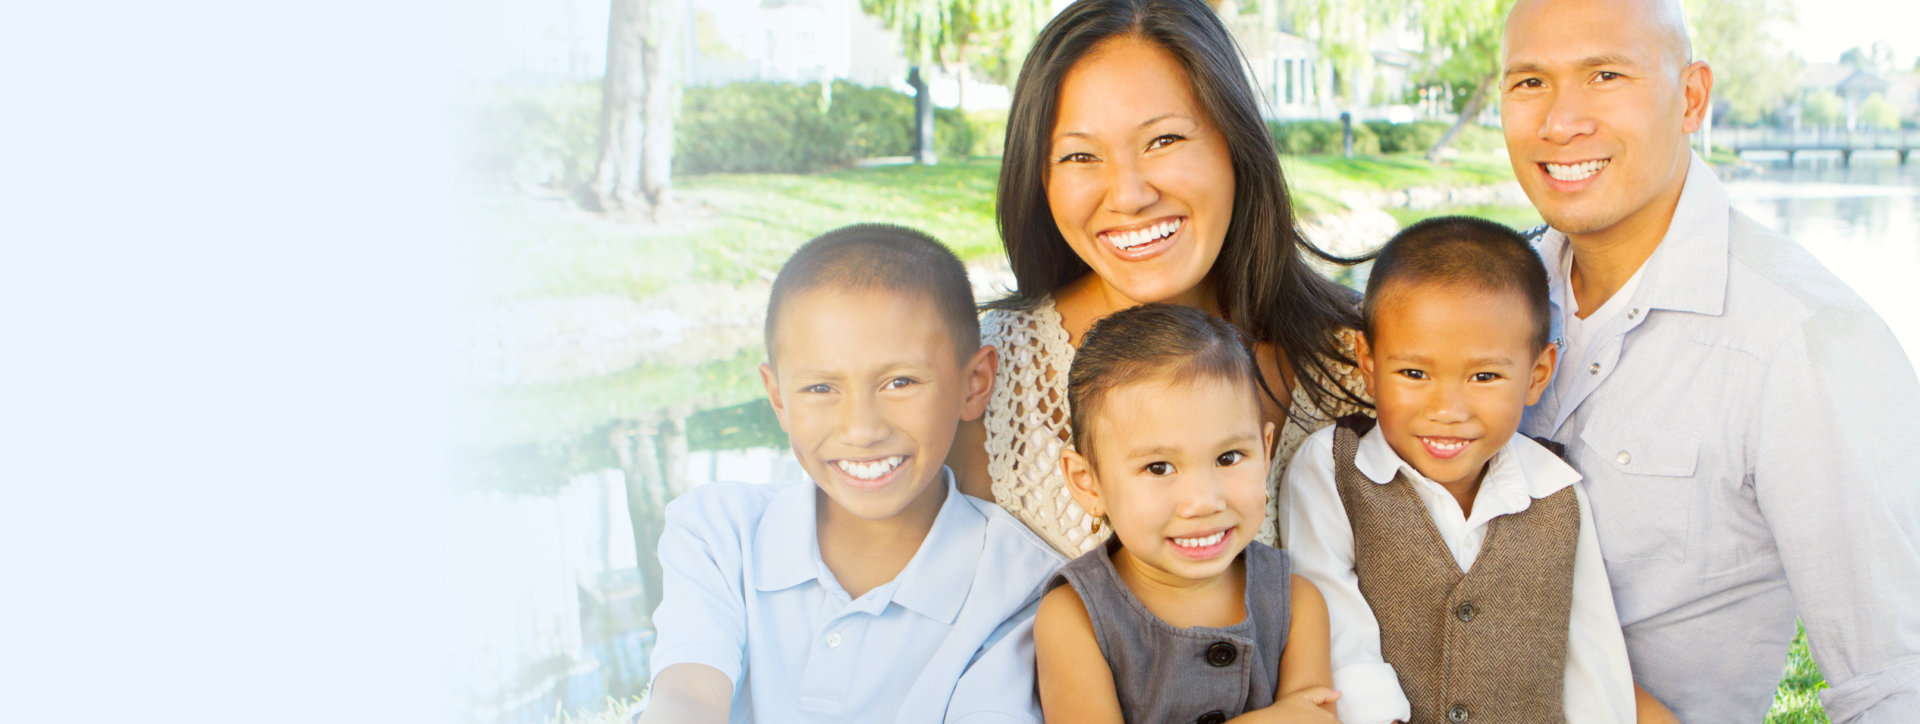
x=1212, y=717
x=1466, y=612
x=1457, y=714
x=1222, y=653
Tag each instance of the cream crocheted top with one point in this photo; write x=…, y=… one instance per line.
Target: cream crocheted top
x=1027, y=427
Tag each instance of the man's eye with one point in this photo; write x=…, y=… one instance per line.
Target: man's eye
x=1527, y=83
x=1229, y=458
x=1606, y=75
x=1165, y=141
x=1159, y=468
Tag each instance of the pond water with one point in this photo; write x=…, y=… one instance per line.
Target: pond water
x=553, y=570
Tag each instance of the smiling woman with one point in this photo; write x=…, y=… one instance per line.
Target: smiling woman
x=1138, y=170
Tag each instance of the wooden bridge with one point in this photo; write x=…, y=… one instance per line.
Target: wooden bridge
x=1900, y=141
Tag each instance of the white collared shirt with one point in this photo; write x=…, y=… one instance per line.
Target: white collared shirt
x=949, y=639
x=1747, y=435
x=1598, y=684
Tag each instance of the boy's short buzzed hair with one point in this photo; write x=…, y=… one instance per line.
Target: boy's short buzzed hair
x=881, y=256
x=1462, y=251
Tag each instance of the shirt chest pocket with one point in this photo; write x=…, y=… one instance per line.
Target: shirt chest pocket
x=1641, y=482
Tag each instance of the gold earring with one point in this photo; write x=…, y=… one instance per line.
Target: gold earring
x=1096, y=526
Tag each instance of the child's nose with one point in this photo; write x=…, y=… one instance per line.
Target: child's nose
x=862, y=422
x=1447, y=403
x=1206, y=494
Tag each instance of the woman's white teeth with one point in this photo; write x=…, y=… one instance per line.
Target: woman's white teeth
x=1574, y=171
x=1200, y=542
x=1125, y=240
x=871, y=470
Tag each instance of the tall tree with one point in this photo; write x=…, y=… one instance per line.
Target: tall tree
x=1753, y=72
x=1463, y=44
x=638, y=96
x=1341, y=30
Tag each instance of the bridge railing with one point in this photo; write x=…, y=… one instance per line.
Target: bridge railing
x=1811, y=139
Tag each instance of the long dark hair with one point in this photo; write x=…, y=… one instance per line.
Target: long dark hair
x=1263, y=283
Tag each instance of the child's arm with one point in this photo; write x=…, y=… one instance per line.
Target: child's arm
x=1598, y=687
x=689, y=694
x=1076, y=685
x=1320, y=540
x=1306, y=690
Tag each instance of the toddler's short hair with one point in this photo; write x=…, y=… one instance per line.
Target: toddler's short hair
x=1466, y=252
x=1153, y=341
x=881, y=256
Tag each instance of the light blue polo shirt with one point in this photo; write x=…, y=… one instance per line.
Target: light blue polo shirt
x=949, y=639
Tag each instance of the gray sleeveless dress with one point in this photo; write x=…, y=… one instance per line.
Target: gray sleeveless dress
x=1200, y=674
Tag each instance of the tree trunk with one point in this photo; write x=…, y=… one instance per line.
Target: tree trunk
x=922, y=119
x=658, y=40
x=652, y=453
x=1475, y=104
x=616, y=175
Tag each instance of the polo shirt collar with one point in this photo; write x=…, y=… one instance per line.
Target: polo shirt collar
x=1521, y=472
x=935, y=582
x=1688, y=271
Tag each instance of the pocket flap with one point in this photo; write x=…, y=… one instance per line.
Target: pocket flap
x=1648, y=450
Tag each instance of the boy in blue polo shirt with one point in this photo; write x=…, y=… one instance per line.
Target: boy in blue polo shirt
x=877, y=591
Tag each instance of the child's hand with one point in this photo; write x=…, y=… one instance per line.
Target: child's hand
x=1311, y=705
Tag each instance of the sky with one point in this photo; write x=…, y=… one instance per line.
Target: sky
x=1827, y=28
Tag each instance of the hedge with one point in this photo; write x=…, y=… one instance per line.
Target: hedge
x=760, y=126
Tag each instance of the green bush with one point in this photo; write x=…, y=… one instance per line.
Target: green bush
x=532, y=136
x=1320, y=137
x=761, y=126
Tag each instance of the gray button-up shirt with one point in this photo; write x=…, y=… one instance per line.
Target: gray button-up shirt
x=1749, y=433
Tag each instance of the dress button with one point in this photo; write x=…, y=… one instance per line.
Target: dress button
x=1623, y=458
x=1213, y=717
x=1457, y=714
x=1222, y=653
x=833, y=640
x=1595, y=369
x=1466, y=612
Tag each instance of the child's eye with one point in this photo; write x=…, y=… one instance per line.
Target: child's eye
x=1485, y=376
x=816, y=389
x=1159, y=468
x=898, y=382
x=1229, y=458
x=1414, y=374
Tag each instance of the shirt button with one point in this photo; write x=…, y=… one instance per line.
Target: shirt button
x=1466, y=612
x=1623, y=458
x=1213, y=717
x=1595, y=369
x=1457, y=714
x=1222, y=653
x=833, y=640
x=1632, y=313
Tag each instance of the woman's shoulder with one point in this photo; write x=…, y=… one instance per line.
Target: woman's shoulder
x=1028, y=339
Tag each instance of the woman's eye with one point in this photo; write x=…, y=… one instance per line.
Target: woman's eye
x=1229, y=458
x=1075, y=157
x=1165, y=141
x=1159, y=468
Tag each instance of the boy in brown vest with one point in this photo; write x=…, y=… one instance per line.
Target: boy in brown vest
x=1462, y=576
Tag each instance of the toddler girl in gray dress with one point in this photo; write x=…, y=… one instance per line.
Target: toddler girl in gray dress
x=1181, y=616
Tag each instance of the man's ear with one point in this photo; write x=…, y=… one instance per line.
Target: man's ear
x=1697, y=81
x=1082, y=482
x=768, y=381
x=1542, y=372
x=1363, y=354
x=979, y=372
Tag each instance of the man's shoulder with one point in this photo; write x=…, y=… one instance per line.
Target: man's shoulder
x=1774, y=278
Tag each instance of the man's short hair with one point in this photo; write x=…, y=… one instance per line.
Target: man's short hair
x=897, y=259
x=1463, y=252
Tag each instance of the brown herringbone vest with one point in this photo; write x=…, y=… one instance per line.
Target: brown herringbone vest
x=1489, y=645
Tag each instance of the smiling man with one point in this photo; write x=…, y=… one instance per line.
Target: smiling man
x=1744, y=422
